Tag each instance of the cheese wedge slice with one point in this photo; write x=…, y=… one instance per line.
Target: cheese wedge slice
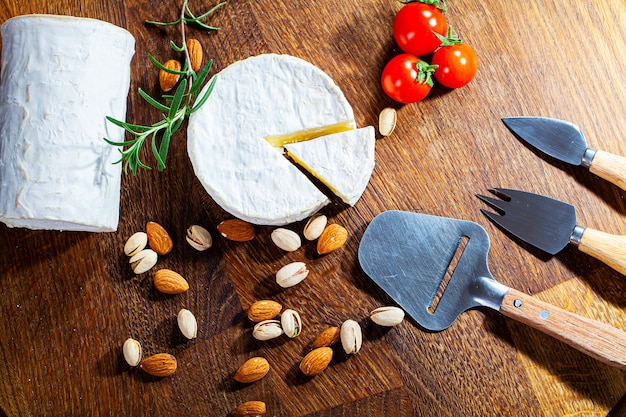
x=262, y=96
x=342, y=161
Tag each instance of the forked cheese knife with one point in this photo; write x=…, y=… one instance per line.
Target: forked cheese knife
x=565, y=141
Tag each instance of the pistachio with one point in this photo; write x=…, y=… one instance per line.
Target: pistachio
x=143, y=261
x=351, y=337
x=387, y=121
x=291, y=274
x=387, y=316
x=132, y=352
x=199, y=238
x=187, y=324
x=267, y=329
x=264, y=310
x=315, y=226
x=136, y=243
x=291, y=322
x=286, y=239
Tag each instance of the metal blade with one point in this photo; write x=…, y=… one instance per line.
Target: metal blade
x=541, y=221
x=559, y=139
x=409, y=254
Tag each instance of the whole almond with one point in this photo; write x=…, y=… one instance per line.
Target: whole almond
x=158, y=238
x=169, y=282
x=316, y=361
x=168, y=80
x=161, y=364
x=237, y=230
x=252, y=370
x=264, y=310
x=194, y=49
x=332, y=238
x=249, y=409
x=327, y=338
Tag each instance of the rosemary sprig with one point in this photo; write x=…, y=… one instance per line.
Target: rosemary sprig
x=176, y=108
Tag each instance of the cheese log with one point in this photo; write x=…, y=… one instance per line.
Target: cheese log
x=255, y=98
x=60, y=77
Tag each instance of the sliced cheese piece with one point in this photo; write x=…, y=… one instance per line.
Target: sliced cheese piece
x=259, y=97
x=342, y=161
x=60, y=77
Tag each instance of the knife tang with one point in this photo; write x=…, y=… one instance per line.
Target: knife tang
x=596, y=339
x=608, y=248
x=610, y=167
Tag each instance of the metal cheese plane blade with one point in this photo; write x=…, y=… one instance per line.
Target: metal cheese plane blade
x=409, y=255
x=550, y=225
x=565, y=141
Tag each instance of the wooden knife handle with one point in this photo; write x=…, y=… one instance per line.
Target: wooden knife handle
x=608, y=248
x=610, y=167
x=596, y=339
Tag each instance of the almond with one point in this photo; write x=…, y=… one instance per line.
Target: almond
x=167, y=80
x=327, y=338
x=332, y=238
x=264, y=310
x=161, y=364
x=252, y=370
x=194, y=49
x=249, y=409
x=169, y=282
x=158, y=238
x=316, y=361
x=237, y=230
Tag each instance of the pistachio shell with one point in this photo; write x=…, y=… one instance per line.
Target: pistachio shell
x=291, y=274
x=136, y=243
x=132, y=352
x=351, y=337
x=199, y=238
x=143, y=261
x=187, y=324
x=387, y=316
x=267, y=329
x=315, y=226
x=291, y=323
x=286, y=239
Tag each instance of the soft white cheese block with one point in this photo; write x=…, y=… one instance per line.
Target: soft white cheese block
x=342, y=161
x=262, y=96
x=60, y=77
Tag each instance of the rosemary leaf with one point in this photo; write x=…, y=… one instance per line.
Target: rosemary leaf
x=154, y=103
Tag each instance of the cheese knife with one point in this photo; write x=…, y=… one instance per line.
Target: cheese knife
x=550, y=225
x=565, y=141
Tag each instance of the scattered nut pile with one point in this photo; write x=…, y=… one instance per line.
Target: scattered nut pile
x=271, y=320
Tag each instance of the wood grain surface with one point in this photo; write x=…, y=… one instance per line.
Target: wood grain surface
x=69, y=300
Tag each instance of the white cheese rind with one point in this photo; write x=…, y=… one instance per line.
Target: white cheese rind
x=60, y=77
x=343, y=161
x=261, y=96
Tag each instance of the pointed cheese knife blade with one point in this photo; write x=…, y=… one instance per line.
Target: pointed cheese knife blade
x=550, y=225
x=565, y=141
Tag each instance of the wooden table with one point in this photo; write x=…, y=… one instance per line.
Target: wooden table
x=69, y=300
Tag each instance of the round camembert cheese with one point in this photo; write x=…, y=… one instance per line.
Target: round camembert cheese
x=235, y=140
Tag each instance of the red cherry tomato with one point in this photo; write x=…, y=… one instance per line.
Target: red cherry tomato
x=407, y=79
x=413, y=28
x=457, y=65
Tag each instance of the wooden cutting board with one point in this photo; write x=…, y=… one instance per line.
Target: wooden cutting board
x=69, y=300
